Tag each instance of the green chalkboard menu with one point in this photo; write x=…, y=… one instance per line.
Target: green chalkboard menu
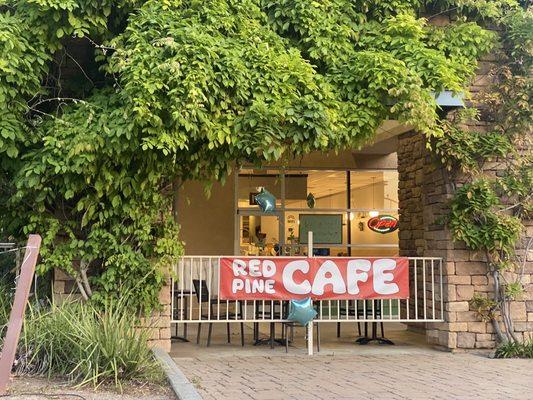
x=326, y=228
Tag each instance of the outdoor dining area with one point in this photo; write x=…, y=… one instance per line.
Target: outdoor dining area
x=273, y=333
x=303, y=302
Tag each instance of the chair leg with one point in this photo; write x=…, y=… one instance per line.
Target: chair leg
x=242, y=334
x=382, y=332
x=286, y=338
x=198, y=333
x=366, y=329
x=318, y=337
x=292, y=333
x=228, y=331
x=272, y=333
x=209, y=334
x=338, y=329
x=359, y=328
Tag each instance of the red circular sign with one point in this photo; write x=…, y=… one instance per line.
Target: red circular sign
x=383, y=224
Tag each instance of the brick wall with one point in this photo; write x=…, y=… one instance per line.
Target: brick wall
x=424, y=190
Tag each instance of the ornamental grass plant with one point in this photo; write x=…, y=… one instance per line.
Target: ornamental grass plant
x=515, y=350
x=86, y=345
x=6, y=299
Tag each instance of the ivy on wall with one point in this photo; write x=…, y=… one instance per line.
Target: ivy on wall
x=495, y=163
x=170, y=90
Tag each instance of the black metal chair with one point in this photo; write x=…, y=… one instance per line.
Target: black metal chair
x=349, y=311
x=203, y=296
x=293, y=324
x=181, y=295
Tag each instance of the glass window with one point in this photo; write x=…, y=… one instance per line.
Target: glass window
x=317, y=193
x=316, y=189
x=250, y=183
x=298, y=246
x=374, y=190
x=366, y=242
x=259, y=235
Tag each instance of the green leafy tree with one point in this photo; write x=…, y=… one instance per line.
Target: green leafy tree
x=170, y=90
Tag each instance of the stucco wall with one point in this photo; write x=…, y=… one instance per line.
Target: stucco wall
x=207, y=223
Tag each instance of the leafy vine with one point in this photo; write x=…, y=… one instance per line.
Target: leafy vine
x=495, y=163
x=106, y=105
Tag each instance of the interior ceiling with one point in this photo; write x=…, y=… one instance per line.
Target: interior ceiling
x=327, y=183
x=386, y=139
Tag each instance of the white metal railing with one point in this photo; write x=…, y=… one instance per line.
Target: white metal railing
x=195, y=298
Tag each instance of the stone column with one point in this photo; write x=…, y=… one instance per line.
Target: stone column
x=424, y=192
x=159, y=322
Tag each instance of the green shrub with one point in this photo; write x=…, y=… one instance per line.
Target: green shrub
x=88, y=346
x=515, y=350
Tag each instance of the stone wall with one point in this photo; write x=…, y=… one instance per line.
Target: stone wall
x=159, y=322
x=424, y=191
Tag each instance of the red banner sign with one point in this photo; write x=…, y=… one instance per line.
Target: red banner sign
x=335, y=278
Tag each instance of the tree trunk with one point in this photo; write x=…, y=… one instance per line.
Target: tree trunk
x=81, y=289
x=83, y=272
x=495, y=275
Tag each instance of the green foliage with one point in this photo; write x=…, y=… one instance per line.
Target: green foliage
x=487, y=9
x=484, y=306
x=111, y=195
x=518, y=38
x=219, y=86
x=515, y=350
x=87, y=345
x=467, y=149
x=476, y=219
x=513, y=290
x=22, y=64
x=184, y=90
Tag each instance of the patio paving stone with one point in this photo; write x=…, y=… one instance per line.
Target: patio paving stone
x=343, y=370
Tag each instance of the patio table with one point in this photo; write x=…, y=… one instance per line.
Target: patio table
x=365, y=339
x=273, y=313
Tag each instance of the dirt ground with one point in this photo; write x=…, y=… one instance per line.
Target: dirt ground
x=33, y=388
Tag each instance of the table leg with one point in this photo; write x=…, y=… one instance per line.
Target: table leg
x=366, y=339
